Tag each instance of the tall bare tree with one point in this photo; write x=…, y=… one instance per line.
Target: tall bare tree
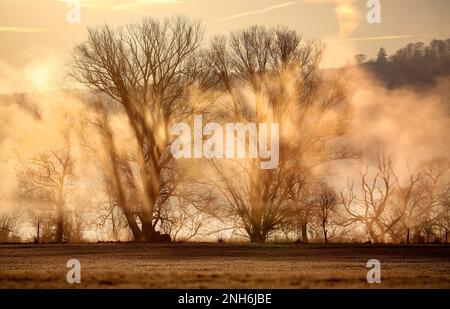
x=326, y=201
x=44, y=179
x=371, y=208
x=149, y=68
x=272, y=76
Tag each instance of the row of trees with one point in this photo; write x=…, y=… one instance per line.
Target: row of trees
x=416, y=64
x=156, y=73
x=378, y=207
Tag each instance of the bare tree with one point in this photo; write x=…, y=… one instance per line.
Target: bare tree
x=326, y=201
x=44, y=178
x=435, y=184
x=409, y=210
x=302, y=210
x=8, y=224
x=408, y=205
x=280, y=70
x=372, y=207
x=149, y=68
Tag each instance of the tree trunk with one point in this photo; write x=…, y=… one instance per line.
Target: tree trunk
x=258, y=238
x=407, y=236
x=257, y=234
x=305, y=233
x=148, y=231
x=446, y=236
x=324, y=226
x=60, y=217
x=382, y=234
x=38, y=232
x=113, y=226
x=137, y=236
x=373, y=235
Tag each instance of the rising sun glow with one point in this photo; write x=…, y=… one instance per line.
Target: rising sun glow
x=40, y=77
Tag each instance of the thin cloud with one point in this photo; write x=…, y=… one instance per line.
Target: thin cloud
x=380, y=38
x=124, y=5
x=22, y=29
x=265, y=10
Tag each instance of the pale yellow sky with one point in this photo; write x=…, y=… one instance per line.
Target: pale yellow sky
x=37, y=29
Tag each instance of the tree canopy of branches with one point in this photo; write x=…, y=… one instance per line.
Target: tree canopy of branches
x=326, y=201
x=147, y=68
x=387, y=206
x=43, y=181
x=8, y=225
x=272, y=76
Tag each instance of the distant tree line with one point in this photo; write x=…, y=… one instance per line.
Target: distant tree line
x=416, y=64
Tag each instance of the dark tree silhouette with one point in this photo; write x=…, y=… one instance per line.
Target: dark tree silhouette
x=149, y=68
x=382, y=56
x=416, y=64
x=280, y=70
x=44, y=178
x=326, y=201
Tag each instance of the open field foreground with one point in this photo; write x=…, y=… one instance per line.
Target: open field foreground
x=223, y=266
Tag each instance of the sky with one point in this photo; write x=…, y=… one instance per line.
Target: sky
x=36, y=39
